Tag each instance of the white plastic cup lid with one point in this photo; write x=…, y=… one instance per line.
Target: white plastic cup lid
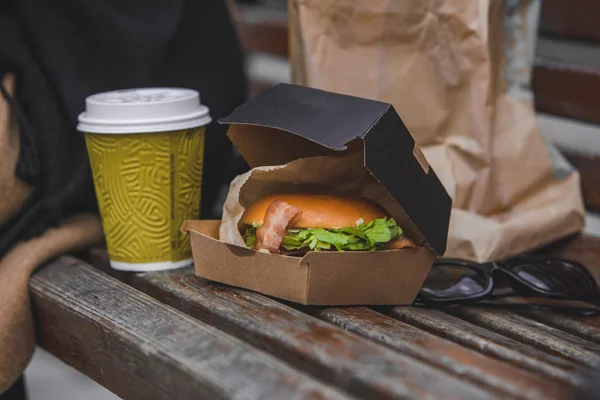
x=143, y=110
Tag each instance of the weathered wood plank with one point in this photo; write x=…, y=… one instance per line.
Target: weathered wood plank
x=536, y=334
x=587, y=328
x=487, y=342
x=567, y=90
x=356, y=365
x=574, y=20
x=141, y=349
x=444, y=354
x=566, y=79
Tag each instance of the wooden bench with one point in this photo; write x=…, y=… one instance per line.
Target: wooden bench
x=166, y=335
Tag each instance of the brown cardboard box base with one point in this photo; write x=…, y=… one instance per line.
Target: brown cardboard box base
x=389, y=277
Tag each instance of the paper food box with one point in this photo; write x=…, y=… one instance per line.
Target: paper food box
x=303, y=140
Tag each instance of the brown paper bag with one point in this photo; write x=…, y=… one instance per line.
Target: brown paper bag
x=458, y=74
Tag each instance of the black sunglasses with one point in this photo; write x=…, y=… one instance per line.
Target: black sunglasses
x=454, y=281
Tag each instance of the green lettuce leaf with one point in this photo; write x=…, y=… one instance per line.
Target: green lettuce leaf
x=365, y=237
x=250, y=236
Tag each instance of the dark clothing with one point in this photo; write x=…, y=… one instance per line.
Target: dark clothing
x=63, y=51
x=16, y=391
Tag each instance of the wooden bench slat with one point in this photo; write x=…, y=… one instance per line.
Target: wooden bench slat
x=487, y=342
x=587, y=328
x=141, y=349
x=588, y=168
x=356, y=365
x=534, y=333
x=575, y=20
x=567, y=90
x=445, y=354
x=566, y=79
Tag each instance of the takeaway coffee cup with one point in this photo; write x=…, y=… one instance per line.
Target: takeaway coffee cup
x=146, y=149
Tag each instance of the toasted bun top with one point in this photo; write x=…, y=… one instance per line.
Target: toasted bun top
x=319, y=211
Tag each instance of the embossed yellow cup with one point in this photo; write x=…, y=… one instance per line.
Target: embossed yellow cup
x=146, y=149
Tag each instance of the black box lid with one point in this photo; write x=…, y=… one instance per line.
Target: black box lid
x=331, y=122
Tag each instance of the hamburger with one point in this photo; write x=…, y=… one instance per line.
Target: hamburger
x=297, y=223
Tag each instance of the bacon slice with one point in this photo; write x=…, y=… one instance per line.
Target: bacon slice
x=278, y=216
x=402, y=243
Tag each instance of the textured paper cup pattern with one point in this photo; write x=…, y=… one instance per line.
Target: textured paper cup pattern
x=147, y=182
x=147, y=185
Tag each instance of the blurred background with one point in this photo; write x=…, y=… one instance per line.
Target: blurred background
x=566, y=84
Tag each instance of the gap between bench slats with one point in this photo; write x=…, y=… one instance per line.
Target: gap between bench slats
x=141, y=349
